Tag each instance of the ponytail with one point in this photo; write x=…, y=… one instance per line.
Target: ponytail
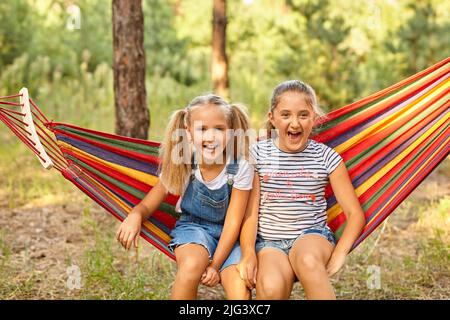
x=175, y=163
x=240, y=124
x=176, y=152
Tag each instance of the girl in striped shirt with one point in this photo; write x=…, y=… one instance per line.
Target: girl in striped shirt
x=285, y=235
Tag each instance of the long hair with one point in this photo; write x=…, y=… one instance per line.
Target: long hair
x=172, y=173
x=176, y=150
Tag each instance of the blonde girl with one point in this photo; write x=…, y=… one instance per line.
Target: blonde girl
x=286, y=216
x=204, y=161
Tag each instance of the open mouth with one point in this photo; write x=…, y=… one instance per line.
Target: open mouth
x=210, y=147
x=294, y=136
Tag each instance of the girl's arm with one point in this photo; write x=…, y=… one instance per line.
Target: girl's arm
x=348, y=200
x=151, y=201
x=232, y=226
x=129, y=229
x=248, y=265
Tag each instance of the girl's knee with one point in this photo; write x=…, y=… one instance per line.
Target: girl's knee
x=309, y=262
x=233, y=285
x=272, y=289
x=191, y=267
x=237, y=292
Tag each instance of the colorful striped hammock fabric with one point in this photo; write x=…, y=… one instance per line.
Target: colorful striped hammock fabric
x=390, y=141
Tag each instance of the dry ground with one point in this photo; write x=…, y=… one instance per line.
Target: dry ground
x=40, y=238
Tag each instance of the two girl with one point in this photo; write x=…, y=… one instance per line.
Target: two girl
x=285, y=236
x=204, y=161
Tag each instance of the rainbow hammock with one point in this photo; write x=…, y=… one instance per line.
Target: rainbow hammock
x=390, y=141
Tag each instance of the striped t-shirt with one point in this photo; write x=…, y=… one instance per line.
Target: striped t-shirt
x=292, y=187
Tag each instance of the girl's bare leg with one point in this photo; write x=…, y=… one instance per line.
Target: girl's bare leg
x=275, y=276
x=309, y=257
x=234, y=286
x=192, y=260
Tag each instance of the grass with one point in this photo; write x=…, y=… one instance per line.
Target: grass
x=108, y=273
x=411, y=248
x=13, y=284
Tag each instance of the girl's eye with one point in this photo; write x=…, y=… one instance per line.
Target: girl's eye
x=285, y=115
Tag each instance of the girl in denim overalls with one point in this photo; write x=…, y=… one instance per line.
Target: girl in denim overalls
x=204, y=162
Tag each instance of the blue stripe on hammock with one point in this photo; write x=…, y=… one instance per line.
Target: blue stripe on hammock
x=370, y=121
x=110, y=156
x=364, y=176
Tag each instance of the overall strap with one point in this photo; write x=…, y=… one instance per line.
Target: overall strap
x=193, y=164
x=232, y=169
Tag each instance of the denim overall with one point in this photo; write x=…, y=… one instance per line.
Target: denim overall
x=203, y=214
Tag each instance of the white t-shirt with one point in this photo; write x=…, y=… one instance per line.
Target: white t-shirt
x=292, y=187
x=243, y=179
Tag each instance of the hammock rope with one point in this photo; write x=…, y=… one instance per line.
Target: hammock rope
x=390, y=141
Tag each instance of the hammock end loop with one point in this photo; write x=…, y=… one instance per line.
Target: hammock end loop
x=43, y=157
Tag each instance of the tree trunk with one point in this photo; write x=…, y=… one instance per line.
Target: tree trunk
x=130, y=97
x=219, y=64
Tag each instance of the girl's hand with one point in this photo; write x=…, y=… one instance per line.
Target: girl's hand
x=210, y=277
x=336, y=262
x=129, y=230
x=247, y=269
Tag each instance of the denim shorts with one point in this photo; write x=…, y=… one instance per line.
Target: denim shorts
x=286, y=245
x=203, y=234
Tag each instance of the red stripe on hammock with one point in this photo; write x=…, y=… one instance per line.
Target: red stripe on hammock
x=161, y=216
x=347, y=125
x=361, y=146
x=401, y=196
x=127, y=153
x=346, y=109
x=143, y=187
x=381, y=153
x=52, y=124
x=87, y=192
x=340, y=218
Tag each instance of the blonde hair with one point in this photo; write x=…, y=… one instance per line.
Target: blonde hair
x=298, y=87
x=175, y=175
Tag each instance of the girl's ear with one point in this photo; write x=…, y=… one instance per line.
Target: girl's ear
x=272, y=121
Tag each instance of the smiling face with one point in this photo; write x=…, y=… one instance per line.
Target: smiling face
x=294, y=119
x=208, y=130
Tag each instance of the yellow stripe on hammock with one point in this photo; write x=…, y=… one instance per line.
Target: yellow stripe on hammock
x=392, y=198
x=382, y=124
x=335, y=210
x=135, y=174
x=126, y=208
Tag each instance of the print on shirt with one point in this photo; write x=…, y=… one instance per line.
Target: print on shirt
x=292, y=187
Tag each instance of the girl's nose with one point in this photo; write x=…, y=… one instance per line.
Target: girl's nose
x=208, y=135
x=295, y=123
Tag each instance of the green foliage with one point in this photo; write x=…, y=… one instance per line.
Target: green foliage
x=422, y=39
x=166, y=52
x=345, y=49
x=15, y=29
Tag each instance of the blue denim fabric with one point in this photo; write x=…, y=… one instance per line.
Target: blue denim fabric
x=285, y=245
x=203, y=215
